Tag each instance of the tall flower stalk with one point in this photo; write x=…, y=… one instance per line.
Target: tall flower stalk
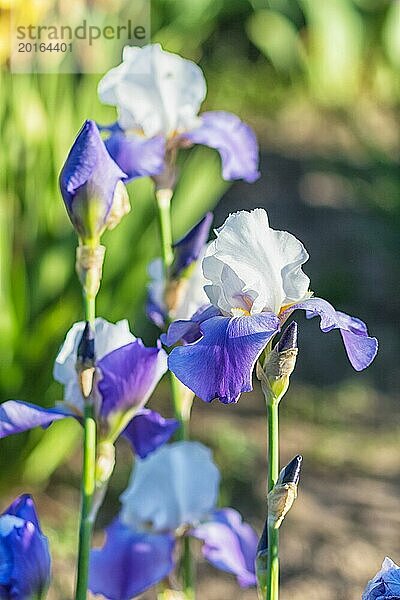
x=88, y=483
x=274, y=374
x=163, y=198
x=273, y=472
x=182, y=414
x=96, y=200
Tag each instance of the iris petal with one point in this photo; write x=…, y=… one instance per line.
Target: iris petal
x=220, y=364
x=25, y=549
x=148, y=431
x=234, y=140
x=189, y=330
x=137, y=156
x=229, y=544
x=129, y=376
x=129, y=562
x=17, y=416
x=189, y=248
x=361, y=349
x=175, y=486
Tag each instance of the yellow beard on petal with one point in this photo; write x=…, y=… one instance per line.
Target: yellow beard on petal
x=286, y=306
x=240, y=312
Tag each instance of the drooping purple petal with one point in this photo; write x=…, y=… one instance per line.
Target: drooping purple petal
x=188, y=249
x=361, y=349
x=148, y=430
x=229, y=544
x=189, y=331
x=24, y=552
x=17, y=416
x=137, y=156
x=88, y=180
x=234, y=140
x=129, y=376
x=220, y=364
x=129, y=562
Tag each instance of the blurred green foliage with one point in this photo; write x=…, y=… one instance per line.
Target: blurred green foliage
x=258, y=57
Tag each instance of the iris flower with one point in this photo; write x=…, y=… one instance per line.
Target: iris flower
x=24, y=553
x=126, y=375
x=158, y=96
x=386, y=583
x=255, y=283
x=172, y=493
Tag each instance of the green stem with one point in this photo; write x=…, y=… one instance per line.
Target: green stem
x=273, y=443
x=177, y=401
x=188, y=572
x=88, y=483
x=90, y=309
x=163, y=197
x=273, y=473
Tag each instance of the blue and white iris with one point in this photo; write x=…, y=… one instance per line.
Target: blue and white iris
x=255, y=283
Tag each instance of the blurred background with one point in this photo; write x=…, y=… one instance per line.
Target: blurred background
x=319, y=82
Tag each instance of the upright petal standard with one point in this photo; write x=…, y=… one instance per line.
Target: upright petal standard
x=174, y=486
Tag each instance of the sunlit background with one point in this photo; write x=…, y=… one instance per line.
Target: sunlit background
x=319, y=82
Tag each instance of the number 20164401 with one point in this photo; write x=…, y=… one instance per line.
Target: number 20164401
x=44, y=47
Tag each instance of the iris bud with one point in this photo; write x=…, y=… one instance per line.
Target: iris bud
x=284, y=493
x=91, y=186
x=279, y=365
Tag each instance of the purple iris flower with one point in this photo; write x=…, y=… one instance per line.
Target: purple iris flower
x=24, y=553
x=158, y=96
x=172, y=493
x=91, y=186
x=386, y=583
x=126, y=374
x=255, y=284
x=182, y=294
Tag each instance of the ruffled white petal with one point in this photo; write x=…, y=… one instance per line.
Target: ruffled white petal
x=253, y=267
x=174, y=486
x=108, y=337
x=155, y=91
